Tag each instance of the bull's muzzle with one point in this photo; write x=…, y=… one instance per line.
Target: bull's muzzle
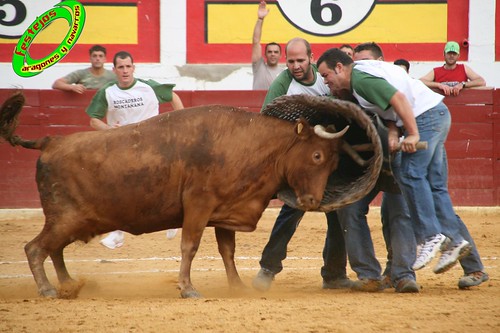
x=307, y=202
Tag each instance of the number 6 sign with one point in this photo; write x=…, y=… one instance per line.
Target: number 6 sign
x=325, y=17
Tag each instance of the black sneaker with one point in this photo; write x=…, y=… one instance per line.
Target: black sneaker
x=342, y=283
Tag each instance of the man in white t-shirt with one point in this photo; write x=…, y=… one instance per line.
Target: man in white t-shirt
x=128, y=101
x=412, y=112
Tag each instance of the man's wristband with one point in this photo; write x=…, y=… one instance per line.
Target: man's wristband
x=463, y=84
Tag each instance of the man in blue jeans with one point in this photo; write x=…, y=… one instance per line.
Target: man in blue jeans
x=396, y=225
x=415, y=112
x=400, y=243
x=301, y=77
x=471, y=264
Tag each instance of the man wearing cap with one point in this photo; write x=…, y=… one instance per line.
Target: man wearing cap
x=452, y=77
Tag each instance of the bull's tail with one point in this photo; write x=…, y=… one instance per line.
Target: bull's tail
x=9, y=114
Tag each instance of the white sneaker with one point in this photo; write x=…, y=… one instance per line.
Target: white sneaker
x=113, y=239
x=428, y=251
x=419, y=249
x=451, y=256
x=171, y=233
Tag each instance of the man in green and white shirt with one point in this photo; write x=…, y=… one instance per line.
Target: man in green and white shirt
x=128, y=101
x=412, y=112
x=301, y=77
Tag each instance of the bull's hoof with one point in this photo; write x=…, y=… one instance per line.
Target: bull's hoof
x=192, y=293
x=48, y=293
x=70, y=289
x=238, y=284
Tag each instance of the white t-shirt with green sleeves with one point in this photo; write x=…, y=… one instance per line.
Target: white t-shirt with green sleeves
x=130, y=105
x=374, y=83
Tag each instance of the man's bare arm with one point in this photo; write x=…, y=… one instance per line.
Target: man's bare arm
x=404, y=111
x=98, y=124
x=475, y=80
x=62, y=84
x=428, y=80
x=176, y=102
x=257, y=32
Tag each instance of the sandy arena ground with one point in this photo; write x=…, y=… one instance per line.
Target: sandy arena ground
x=133, y=288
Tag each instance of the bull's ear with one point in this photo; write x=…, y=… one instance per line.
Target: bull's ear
x=300, y=126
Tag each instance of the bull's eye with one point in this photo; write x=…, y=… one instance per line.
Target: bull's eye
x=317, y=157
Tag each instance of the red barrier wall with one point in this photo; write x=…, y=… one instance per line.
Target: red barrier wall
x=473, y=145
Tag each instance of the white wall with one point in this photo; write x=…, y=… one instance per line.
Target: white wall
x=173, y=68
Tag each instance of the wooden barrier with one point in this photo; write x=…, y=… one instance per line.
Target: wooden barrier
x=473, y=144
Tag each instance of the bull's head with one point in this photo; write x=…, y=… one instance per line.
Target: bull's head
x=310, y=162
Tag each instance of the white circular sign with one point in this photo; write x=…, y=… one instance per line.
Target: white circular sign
x=326, y=17
x=17, y=15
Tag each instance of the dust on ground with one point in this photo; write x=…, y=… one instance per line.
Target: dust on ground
x=134, y=288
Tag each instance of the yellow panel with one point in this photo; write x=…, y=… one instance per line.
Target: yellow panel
x=104, y=25
x=111, y=25
x=394, y=23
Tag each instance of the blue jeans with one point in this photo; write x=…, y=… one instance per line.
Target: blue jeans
x=398, y=235
x=472, y=262
x=424, y=179
x=334, y=255
x=401, y=237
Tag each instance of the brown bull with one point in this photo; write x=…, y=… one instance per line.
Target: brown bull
x=214, y=166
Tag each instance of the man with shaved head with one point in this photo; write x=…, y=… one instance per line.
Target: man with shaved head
x=301, y=77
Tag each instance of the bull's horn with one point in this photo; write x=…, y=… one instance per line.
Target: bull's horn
x=322, y=132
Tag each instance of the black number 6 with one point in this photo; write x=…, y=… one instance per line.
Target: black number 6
x=317, y=8
x=20, y=12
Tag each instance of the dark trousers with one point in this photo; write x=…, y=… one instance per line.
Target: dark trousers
x=334, y=252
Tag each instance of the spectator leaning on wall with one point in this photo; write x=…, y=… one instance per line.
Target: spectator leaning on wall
x=451, y=78
x=94, y=77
